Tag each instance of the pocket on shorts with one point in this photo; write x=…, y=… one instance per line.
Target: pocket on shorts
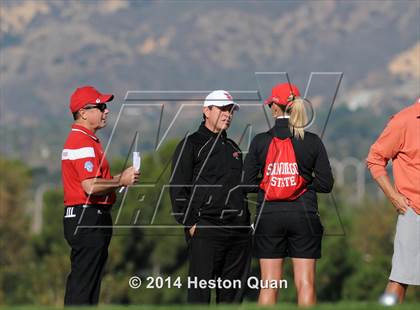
x=313, y=222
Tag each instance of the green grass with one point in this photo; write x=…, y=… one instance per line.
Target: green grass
x=245, y=306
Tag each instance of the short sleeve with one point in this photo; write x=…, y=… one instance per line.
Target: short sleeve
x=85, y=162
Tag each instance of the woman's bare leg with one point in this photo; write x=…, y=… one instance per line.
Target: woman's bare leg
x=304, y=274
x=271, y=269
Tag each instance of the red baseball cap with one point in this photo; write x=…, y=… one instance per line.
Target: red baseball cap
x=85, y=95
x=283, y=94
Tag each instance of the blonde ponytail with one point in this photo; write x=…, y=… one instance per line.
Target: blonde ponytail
x=298, y=118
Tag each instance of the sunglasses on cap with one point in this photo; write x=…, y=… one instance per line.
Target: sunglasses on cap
x=101, y=107
x=291, y=98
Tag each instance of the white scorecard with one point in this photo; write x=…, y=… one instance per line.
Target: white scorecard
x=136, y=161
x=136, y=165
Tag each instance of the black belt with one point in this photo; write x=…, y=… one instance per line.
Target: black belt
x=97, y=206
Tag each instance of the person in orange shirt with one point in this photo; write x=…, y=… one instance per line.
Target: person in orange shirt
x=400, y=142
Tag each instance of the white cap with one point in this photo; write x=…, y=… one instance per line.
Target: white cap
x=220, y=98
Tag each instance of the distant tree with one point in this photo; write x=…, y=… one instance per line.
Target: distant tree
x=336, y=263
x=15, y=179
x=51, y=262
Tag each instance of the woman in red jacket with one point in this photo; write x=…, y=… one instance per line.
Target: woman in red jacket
x=288, y=166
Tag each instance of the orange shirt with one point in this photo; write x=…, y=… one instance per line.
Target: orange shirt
x=400, y=142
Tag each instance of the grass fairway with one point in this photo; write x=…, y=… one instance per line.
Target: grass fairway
x=245, y=306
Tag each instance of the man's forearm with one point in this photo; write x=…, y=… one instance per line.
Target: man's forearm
x=98, y=186
x=399, y=201
x=385, y=184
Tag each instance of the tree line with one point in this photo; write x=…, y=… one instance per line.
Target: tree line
x=355, y=263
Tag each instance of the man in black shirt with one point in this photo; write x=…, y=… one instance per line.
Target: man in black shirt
x=206, y=199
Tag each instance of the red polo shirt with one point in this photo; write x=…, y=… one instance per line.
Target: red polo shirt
x=83, y=158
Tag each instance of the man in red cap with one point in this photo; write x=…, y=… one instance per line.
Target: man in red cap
x=89, y=192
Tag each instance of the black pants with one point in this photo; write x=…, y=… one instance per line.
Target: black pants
x=89, y=251
x=216, y=253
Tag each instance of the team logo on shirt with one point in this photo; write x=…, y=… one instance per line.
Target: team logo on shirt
x=89, y=166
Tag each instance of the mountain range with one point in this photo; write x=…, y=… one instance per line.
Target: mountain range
x=47, y=48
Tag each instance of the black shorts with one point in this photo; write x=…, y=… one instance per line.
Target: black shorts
x=288, y=234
